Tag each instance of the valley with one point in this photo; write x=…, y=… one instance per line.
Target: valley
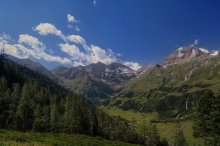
x=165, y=129
x=110, y=73
x=114, y=100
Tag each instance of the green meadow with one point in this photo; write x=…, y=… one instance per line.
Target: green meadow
x=14, y=138
x=166, y=130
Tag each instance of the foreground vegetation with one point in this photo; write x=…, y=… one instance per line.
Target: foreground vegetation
x=13, y=138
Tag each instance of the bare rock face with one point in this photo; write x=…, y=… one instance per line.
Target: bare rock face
x=187, y=54
x=114, y=73
x=146, y=68
x=95, y=81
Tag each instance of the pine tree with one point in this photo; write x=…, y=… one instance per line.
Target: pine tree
x=69, y=117
x=208, y=118
x=54, y=115
x=25, y=111
x=152, y=138
x=4, y=102
x=179, y=139
x=3, y=84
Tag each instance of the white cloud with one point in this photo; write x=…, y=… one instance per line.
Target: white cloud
x=90, y=54
x=77, y=39
x=14, y=51
x=47, y=28
x=78, y=63
x=132, y=65
x=98, y=54
x=94, y=2
x=71, y=19
x=36, y=50
x=4, y=38
x=73, y=51
x=76, y=47
x=31, y=41
x=94, y=54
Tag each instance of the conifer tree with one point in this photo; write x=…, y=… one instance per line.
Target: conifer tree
x=24, y=111
x=207, y=125
x=54, y=115
x=179, y=139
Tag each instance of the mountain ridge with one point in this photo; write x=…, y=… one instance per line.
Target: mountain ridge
x=164, y=87
x=99, y=82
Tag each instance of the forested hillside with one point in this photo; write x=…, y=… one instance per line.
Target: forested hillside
x=32, y=102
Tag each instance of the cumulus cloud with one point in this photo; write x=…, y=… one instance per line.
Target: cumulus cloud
x=73, y=51
x=31, y=41
x=77, y=39
x=98, y=54
x=94, y=54
x=14, y=51
x=86, y=54
x=47, y=28
x=75, y=47
x=132, y=65
x=34, y=49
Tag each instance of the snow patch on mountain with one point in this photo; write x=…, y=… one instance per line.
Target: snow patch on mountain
x=180, y=54
x=214, y=53
x=204, y=50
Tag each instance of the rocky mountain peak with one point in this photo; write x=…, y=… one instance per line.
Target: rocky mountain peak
x=114, y=73
x=188, y=53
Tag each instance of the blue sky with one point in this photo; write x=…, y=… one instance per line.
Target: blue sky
x=133, y=32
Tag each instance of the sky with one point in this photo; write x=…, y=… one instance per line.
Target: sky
x=81, y=32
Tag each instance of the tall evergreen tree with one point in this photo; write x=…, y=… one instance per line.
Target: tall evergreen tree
x=153, y=137
x=25, y=111
x=54, y=115
x=207, y=124
x=179, y=139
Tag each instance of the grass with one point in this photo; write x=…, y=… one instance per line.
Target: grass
x=129, y=115
x=14, y=138
x=166, y=130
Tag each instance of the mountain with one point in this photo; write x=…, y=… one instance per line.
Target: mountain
x=112, y=74
x=31, y=65
x=95, y=81
x=30, y=101
x=174, y=84
x=188, y=53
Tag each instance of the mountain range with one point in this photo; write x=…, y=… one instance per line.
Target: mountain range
x=115, y=84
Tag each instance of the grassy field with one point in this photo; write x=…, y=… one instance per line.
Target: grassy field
x=166, y=130
x=14, y=138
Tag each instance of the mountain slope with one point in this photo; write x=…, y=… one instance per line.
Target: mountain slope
x=95, y=81
x=30, y=101
x=31, y=65
x=174, y=85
